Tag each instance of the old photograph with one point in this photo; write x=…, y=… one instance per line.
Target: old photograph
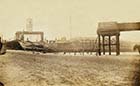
x=69, y=43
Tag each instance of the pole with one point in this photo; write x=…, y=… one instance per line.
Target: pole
x=109, y=45
x=117, y=44
x=99, y=45
x=103, y=44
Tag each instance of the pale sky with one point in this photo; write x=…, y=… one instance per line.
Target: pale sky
x=52, y=16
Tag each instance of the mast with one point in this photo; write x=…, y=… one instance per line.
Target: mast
x=70, y=27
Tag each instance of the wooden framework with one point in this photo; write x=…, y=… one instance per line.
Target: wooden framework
x=102, y=45
x=109, y=29
x=22, y=33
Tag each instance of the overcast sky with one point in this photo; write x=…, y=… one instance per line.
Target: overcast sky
x=52, y=16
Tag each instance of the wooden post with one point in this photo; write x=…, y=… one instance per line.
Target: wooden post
x=103, y=41
x=42, y=36
x=109, y=39
x=117, y=44
x=99, y=45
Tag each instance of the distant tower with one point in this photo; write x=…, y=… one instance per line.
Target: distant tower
x=29, y=24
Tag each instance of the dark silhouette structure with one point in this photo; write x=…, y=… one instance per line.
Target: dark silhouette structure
x=113, y=29
x=137, y=47
x=0, y=44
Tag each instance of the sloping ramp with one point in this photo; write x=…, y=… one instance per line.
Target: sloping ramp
x=15, y=45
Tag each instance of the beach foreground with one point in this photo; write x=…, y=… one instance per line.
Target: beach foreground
x=27, y=69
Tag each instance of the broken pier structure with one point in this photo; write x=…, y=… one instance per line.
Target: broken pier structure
x=108, y=30
x=20, y=34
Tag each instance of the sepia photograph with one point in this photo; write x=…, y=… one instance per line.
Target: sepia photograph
x=69, y=43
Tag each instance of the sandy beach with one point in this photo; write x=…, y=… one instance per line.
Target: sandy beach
x=19, y=68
